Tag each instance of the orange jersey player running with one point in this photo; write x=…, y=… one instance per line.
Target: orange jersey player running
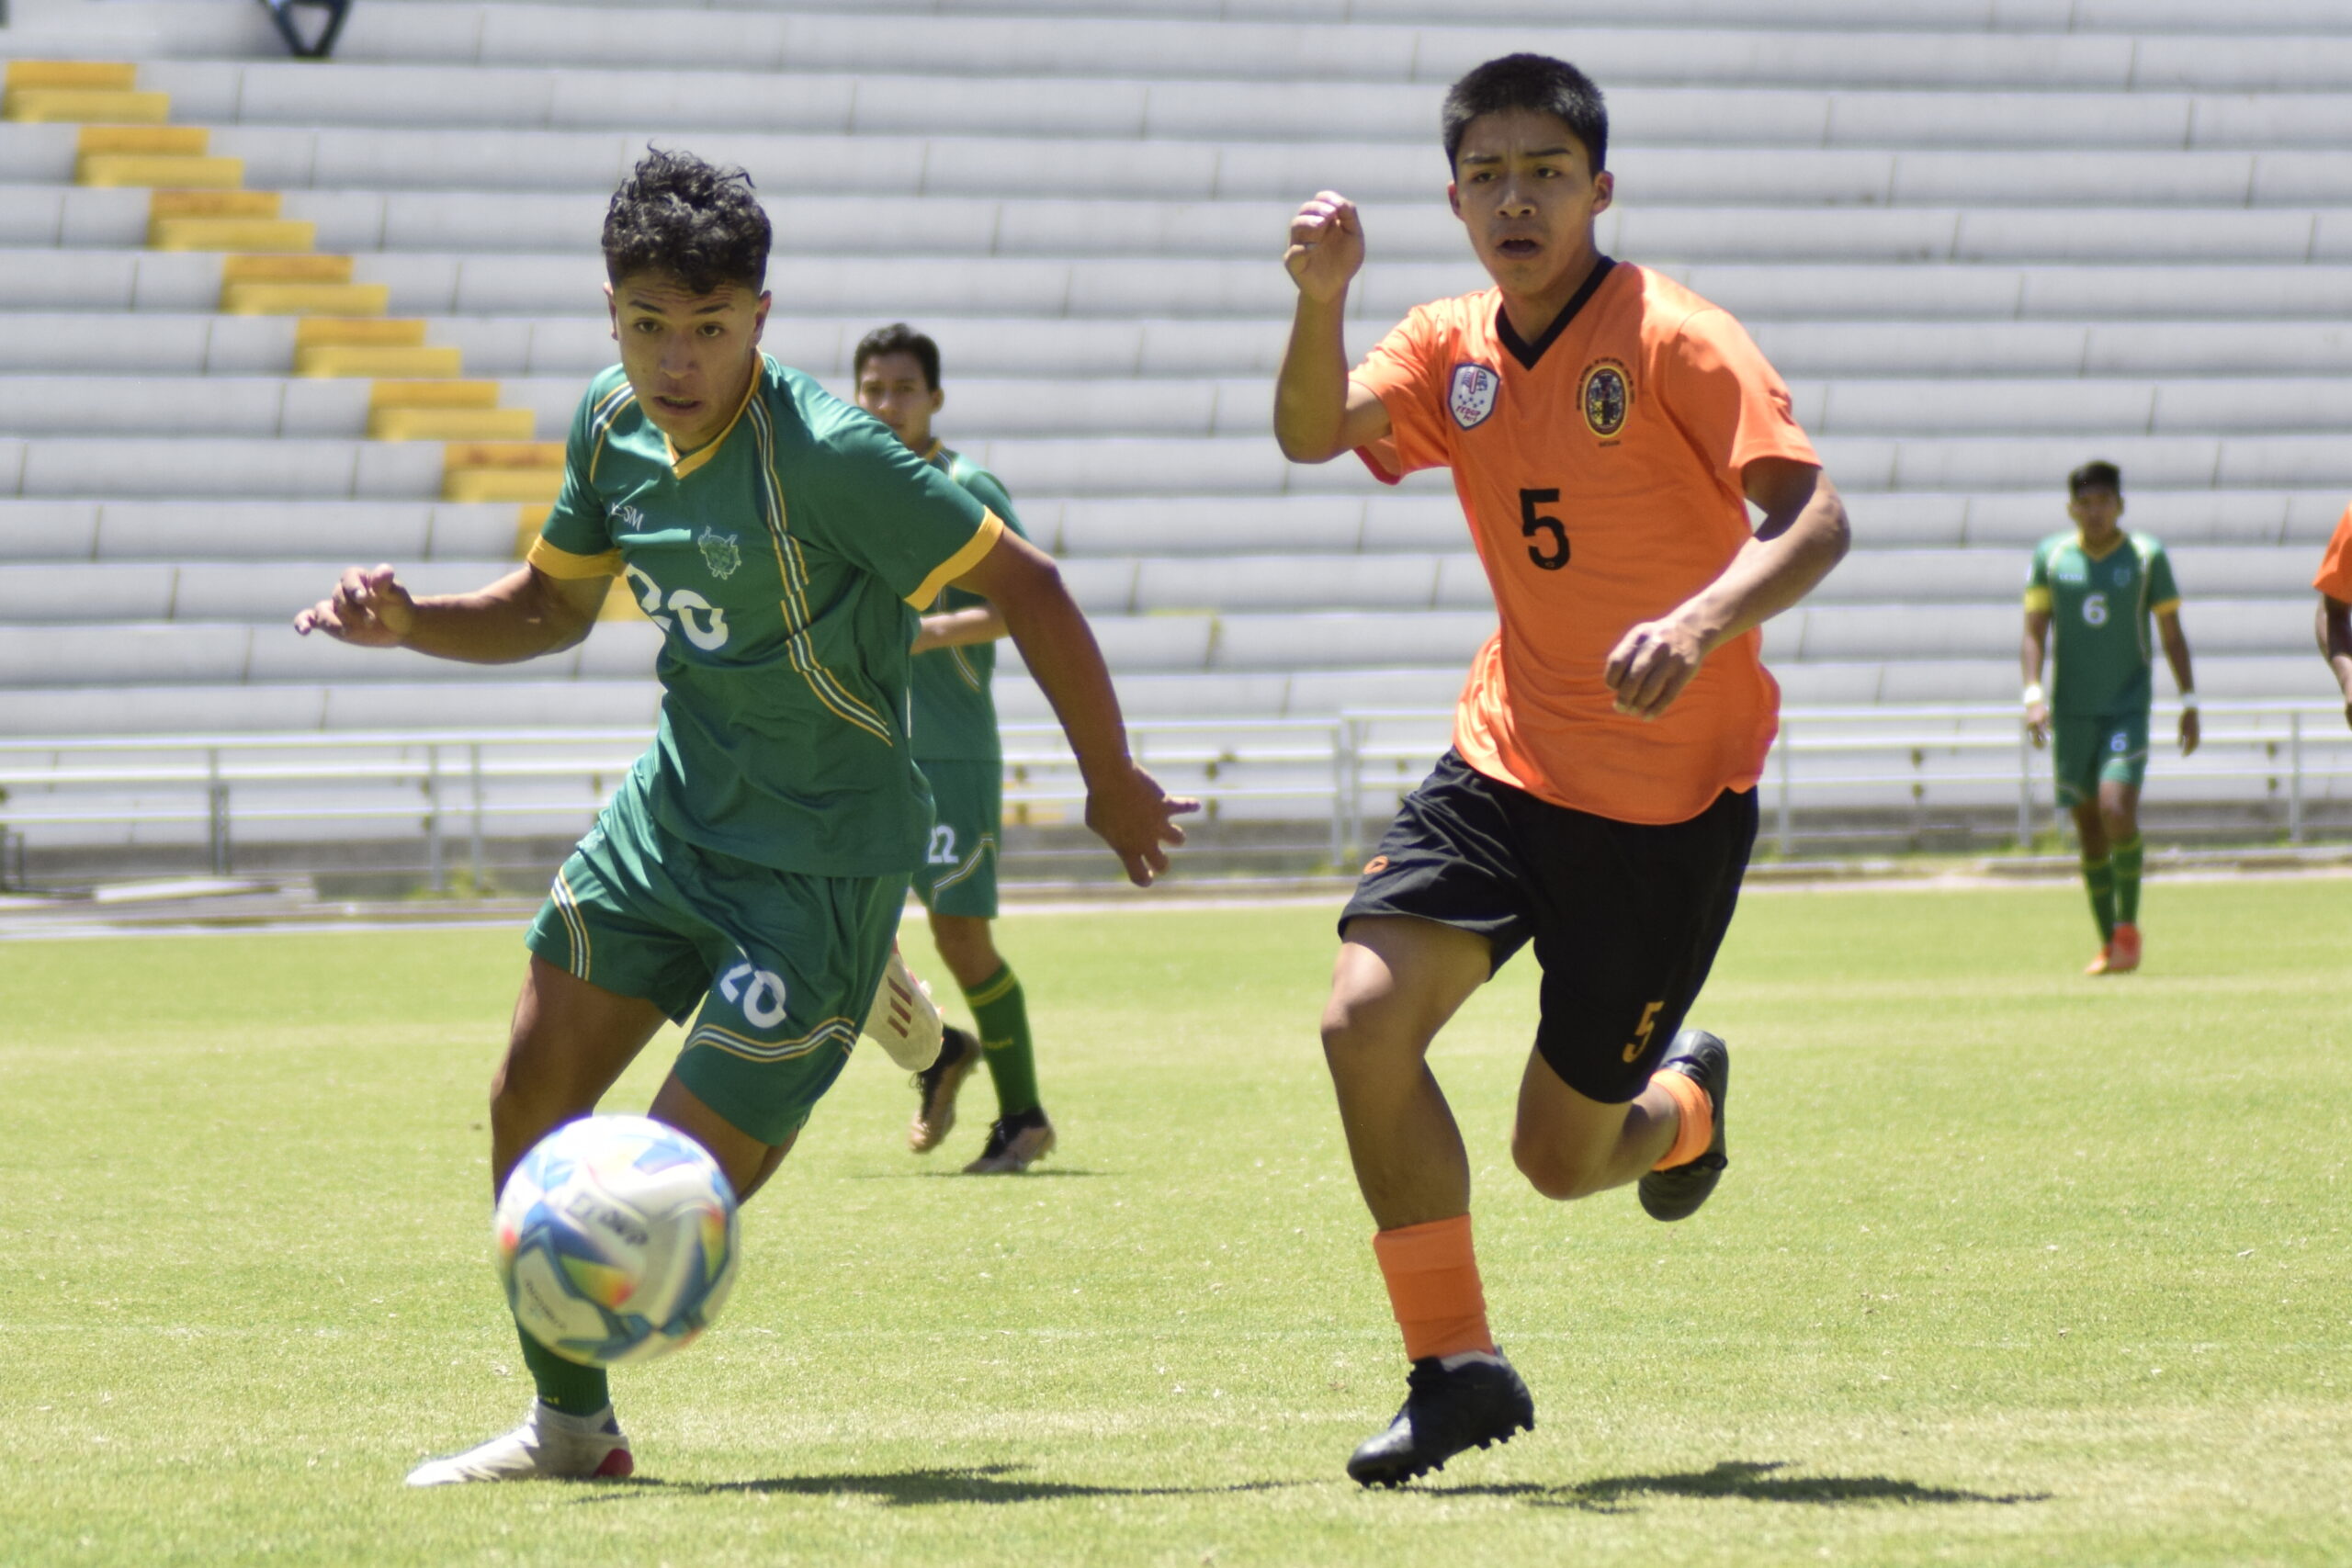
x=2334, y=623
x=1605, y=429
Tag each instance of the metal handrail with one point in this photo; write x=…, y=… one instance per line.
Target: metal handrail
x=1322, y=757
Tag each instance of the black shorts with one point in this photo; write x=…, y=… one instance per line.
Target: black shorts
x=1625, y=917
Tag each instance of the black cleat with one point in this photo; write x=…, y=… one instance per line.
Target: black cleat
x=1015, y=1143
x=938, y=1085
x=1676, y=1192
x=1476, y=1404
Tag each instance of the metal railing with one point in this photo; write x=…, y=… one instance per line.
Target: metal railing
x=1342, y=770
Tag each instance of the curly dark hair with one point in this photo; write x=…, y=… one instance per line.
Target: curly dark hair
x=1534, y=81
x=680, y=216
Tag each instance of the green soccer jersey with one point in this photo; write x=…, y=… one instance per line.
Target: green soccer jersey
x=784, y=562
x=954, y=715
x=2100, y=607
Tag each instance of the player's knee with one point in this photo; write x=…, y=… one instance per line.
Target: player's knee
x=1550, y=1169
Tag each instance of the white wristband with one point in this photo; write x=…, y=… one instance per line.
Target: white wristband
x=2033, y=694
x=2189, y=702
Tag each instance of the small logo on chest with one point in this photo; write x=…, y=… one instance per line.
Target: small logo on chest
x=719, y=553
x=1607, y=397
x=2123, y=577
x=1471, y=396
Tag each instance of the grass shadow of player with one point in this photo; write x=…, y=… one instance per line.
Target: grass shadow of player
x=916, y=1488
x=935, y=1173
x=1737, y=1478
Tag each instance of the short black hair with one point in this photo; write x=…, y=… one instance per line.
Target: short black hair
x=2097, y=474
x=898, y=338
x=686, y=218
x=1534, y=81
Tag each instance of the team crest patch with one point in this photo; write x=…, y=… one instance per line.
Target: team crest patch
x=719, y=553
x=1471, y=397
x=1608, y=396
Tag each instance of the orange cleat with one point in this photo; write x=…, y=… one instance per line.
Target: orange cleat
x=2103, y=963
x=2124, y=955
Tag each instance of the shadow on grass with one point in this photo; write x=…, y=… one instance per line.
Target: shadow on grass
x=916, y=1488
x=933, y=1173
x=1735, y=1478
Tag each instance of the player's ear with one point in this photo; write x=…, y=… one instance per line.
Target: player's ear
x=1453, y=200
x=760, y=314
x=613, y=312
x=1604, y=190
x=938, y=398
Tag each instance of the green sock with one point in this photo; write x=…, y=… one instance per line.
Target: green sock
x=2128, y=858
x=571, y=1388
x=1003, y=1015
x=2098, y=875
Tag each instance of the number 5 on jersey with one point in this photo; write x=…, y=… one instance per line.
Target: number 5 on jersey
x=1552, y=552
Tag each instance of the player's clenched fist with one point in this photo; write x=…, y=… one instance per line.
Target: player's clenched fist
x=1650, y=666
x=1326, y=247
x=368, y=607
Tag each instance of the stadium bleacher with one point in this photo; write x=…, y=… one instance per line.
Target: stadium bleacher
x=260, y=317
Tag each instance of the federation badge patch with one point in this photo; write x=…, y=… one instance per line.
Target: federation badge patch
x=1607, y=397
x=719, y=553
x=1471, y=397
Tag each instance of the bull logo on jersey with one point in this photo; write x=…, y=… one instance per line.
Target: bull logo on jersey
x=1472, y=396
x=1607, y=398
x=719, y=553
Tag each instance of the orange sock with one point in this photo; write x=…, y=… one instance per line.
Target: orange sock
x=1434, y=1287
x=1697, y=1128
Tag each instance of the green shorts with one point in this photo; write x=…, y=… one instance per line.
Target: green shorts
x=958, y=876
x=784, y=965
x=2086, y=750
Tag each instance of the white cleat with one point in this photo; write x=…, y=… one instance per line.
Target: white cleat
x=904, y=1020
x=550, y=1445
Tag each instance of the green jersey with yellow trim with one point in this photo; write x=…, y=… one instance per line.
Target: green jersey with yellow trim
x=2098, y=608
x=955, y=711
x=784, y=562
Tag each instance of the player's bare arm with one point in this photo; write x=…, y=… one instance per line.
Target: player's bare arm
x=960, y=628
x=523, y=615
x=2032, y=654
x=2176, y=643
x=1125, y=805
x=1318, y=411
x=1804, y=534
x=2334, y=626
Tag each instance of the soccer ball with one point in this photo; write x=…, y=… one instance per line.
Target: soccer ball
x=615, y=1240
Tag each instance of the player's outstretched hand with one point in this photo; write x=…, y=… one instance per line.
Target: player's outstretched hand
x=1130, y=812
x=2192, y=732
x=1326, y=247
x=368, y=608
x=1651, y=665
x=2037, y=724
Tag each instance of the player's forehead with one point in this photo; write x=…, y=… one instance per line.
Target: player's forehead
x=892, y=367
x=1507, y=135
x=660, y=294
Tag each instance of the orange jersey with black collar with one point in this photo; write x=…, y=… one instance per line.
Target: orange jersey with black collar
x=1599, y=470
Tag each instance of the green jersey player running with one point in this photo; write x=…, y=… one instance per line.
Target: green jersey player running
x=2093, y=591
x=754, y=863
x=956, y=742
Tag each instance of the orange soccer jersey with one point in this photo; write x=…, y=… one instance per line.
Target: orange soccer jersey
x=1599, y=469
x=2335, y=578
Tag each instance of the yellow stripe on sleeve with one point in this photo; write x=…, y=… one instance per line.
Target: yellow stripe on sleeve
x=991, y=529
x=2168, y=607
x=565, y=567
x=2037, y=599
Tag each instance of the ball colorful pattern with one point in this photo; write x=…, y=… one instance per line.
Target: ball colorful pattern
x=615, y=1240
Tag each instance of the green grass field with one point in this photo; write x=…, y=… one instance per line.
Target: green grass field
x=2010, y=1267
